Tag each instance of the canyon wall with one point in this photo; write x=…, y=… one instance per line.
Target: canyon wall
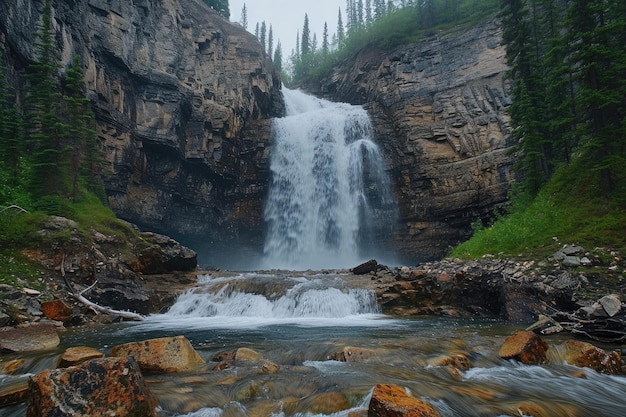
x=439, y=111
x=183, y=100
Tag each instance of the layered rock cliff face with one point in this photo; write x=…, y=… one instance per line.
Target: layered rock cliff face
x=439, y=111
x=182, y=100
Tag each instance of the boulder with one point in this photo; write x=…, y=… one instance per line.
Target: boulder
x=164, y=255
x=365, y=267
x=526, y=347
x=76, y=355
x=99, y=387
x=611, y=304
x=57, y=310
x=29, y=338
x=394, y=401
x=586, y=355
x=167, y=354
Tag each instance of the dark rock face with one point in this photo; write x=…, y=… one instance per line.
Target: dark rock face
x=439, y=111
x=182, y=99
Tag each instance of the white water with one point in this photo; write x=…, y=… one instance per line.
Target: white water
x=329, y=196
x=252, y=300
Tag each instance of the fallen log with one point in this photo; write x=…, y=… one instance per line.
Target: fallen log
x=105, y=310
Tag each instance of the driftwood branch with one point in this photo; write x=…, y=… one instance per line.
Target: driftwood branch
x=106, y=310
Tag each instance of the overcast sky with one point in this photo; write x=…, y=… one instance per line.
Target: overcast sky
x=287, y=18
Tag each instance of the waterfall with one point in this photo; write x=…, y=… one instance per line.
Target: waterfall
x=329, y=200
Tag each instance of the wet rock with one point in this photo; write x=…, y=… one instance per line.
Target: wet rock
x=365, y=268
x=394, y=401
x=77, y=355
x=12, y=366
x=13, y=391
x=99, y=387
x=57, y=310
x=526, y=347
x=533, y=409
x=269, y=367
x=324, y=404
x=167, y=354
x=586, y=355
x=352, y=354
x=246, y=354
x=29, y=338
x=458, y=361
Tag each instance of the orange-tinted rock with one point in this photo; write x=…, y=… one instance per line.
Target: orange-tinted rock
x=10, y=367
x=525, y=347
x=458, y=361
x=80, y=354
x=28, y=339
x=533, y=409
x=167, y=354
x=269, y=367
x=394, y=401
x=99, y=387
x=587, y=355
x=57, y=310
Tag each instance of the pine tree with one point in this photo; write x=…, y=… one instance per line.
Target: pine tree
x=596, y=30
x=368, y=12
x=11, y=139
x=341, y=36
x=270, y=42
x=278, y=57
x=263, y=35
x=305, y=41
x=244, y=16
x=49, y=168
x=81, y=135
x=325, y=45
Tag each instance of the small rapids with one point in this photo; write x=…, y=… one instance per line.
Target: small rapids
x=253, y=300
x=301, y=321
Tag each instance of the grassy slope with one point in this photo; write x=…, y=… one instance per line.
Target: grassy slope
x=567, y=210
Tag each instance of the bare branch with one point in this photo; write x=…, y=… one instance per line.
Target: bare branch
x=106, y=310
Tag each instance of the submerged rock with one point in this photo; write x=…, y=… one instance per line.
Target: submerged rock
x=99, y=387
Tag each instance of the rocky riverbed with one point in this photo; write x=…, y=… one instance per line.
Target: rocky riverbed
x=575, y=292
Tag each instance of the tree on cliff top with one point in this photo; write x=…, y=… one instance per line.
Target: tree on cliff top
x=221, y=6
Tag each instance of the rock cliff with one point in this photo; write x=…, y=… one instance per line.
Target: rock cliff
x=439, y=111
x=182, y=99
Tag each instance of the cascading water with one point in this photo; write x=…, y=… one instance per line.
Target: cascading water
x=329, y=200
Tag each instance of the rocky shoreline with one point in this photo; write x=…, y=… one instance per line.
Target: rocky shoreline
x=575, y=291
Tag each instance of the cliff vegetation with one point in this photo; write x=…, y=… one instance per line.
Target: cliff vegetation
x=568, y=72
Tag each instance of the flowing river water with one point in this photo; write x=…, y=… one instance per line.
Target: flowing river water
x=329, y=205
x=299, y=321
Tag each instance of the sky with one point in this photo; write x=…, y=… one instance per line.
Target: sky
x=287, y=18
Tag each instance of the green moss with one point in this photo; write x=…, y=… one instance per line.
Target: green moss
x=18, y=271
